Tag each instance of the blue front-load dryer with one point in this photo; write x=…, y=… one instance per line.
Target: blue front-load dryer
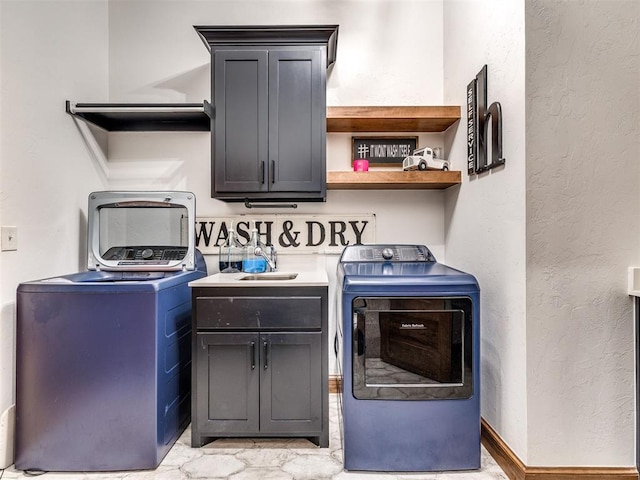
x=409, y=354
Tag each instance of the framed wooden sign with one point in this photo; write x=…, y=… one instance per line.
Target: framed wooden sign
x=383, y=151
x=289, y=233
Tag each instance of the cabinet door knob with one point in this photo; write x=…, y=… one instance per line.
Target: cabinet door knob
x=262, y=172
x=273, y=171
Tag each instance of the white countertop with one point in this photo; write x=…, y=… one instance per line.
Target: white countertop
x=305, y=278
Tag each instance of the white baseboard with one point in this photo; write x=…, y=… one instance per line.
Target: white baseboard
x=7, y=433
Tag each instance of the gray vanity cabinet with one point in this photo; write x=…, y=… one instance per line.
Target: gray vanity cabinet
x=269, y=130
x=268, y=383
x=260, y=365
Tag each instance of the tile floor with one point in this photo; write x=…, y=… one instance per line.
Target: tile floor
x=264, y=459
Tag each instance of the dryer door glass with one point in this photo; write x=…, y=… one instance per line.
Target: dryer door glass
x=413, y=348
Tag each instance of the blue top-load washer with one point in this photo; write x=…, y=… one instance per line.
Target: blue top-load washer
x=103, y=366
x=408, y=351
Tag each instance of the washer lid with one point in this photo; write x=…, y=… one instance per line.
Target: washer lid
x=141, y=231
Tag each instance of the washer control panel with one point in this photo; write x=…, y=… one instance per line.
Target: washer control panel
x=386, y=253
x=145, y=255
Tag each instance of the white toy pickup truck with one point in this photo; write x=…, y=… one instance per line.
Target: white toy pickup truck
x=423, y=159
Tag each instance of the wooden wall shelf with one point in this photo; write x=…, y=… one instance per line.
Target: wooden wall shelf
x=391, y=119
x=393, y=180
x=197, y=117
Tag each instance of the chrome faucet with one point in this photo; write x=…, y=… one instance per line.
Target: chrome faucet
x=272, y=258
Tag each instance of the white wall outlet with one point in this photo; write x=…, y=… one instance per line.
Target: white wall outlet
x=9, y=238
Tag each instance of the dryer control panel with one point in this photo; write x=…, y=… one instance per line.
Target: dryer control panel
x=387, y=253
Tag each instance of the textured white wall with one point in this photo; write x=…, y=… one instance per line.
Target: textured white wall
x=7, y=334
x=50, y=51
x=156, y=54
x=485, y=221
x=6, y=323
x=583, y=173
x=557, y=333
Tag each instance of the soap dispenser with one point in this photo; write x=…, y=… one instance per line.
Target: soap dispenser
x=231, y=253
x=253, y=261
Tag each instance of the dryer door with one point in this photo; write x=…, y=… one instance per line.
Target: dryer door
x=413, y=348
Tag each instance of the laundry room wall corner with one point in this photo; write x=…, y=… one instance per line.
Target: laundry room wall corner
x=492, y=33
x=7, y=329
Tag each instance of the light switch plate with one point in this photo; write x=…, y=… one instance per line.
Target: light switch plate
x=9, y=238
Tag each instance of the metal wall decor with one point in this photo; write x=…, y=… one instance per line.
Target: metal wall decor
x=479, y=118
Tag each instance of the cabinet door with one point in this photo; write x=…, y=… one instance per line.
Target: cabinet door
x=297, y=120
x=240, y=135
x=291, y=383
x=228, y=379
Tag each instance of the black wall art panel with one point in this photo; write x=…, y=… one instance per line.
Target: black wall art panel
x=483, y=124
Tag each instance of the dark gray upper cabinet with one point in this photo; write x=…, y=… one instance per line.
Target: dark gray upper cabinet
x=269, y=94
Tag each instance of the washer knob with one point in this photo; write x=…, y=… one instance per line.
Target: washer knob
x=147, y=254
x=387, y=253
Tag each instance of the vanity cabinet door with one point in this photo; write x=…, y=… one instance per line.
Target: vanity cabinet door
x=228, y=379
x=291, y=383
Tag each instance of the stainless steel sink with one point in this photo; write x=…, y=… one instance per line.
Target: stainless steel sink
x=269, y=276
